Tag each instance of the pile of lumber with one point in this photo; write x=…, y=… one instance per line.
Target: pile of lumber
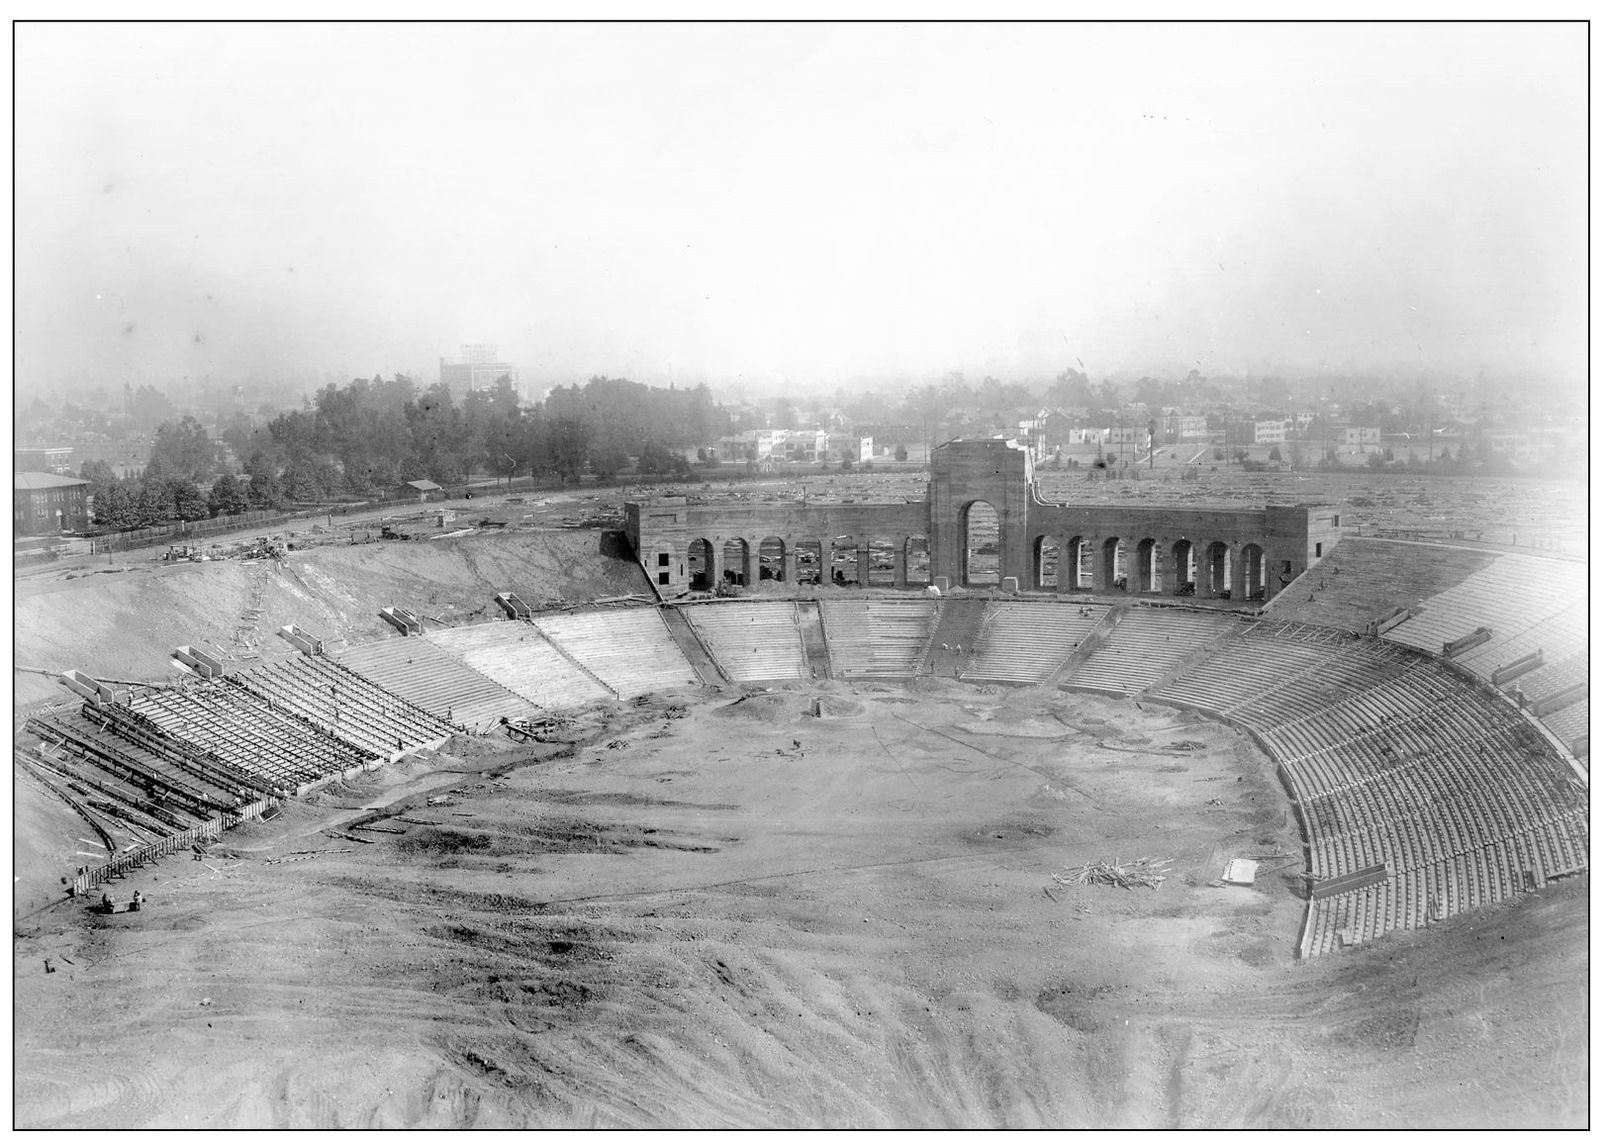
x=1146, y=872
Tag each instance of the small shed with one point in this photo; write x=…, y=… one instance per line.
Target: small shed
x=424, y=488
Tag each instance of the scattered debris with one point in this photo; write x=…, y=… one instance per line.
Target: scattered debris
x=1145, y=872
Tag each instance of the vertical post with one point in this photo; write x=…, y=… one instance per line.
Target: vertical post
x=790, y=563
x=862, y=561
x=751, y=563
x=901, y=568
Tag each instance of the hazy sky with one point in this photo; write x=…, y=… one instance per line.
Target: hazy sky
x=798, y=204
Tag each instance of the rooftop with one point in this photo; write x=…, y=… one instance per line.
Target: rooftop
x=39, y=481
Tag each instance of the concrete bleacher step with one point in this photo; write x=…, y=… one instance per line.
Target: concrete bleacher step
x=1028, y=642
x=752, y=641
x=877, y=637
x=426, y=675
x=693, y=648
x=629, y=650
x=956, y=632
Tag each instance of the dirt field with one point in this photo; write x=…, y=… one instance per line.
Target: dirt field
x=739, y=914
x=121, y=619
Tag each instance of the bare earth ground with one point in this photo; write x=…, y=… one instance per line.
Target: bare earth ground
x=122, y=619
x=738, y=914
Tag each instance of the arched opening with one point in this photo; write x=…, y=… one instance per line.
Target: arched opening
x=918, y=561
x=845, y=561
x=1183, y=568
x=1145, y=566
x=881, y=552
x=1080, y=563
x=772, y=560
x=1219, y=569
x=979, y=525
x=700, y=564
x=1113, y=563
x=1254, y=568
x=1046, y=563
x=734, y=562
x=809, y=563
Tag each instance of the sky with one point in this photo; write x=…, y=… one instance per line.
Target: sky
x=798, y=207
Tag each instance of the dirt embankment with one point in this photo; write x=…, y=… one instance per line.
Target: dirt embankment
x=836, y=921
x=124, y=624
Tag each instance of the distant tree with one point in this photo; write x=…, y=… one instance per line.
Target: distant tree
x=114, y=506
x=565, y=442
x=1275, y=456
x=147, y=407
x=184, y=451
x=657, y=459
x=901, y=453
x=154, y=504
x=227, y=497
x=299, y=483
x=99, y=473
x=189, y=503
x=262, y=489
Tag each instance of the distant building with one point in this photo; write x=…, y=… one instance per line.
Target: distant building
x=423, y=488
x=42, y=503
x=1256, y=433
x=1272, y=431
x=54, y=460
x=803, y=446
x=1361, y=438
x=1178, y=426
x=859, y=448
x=751, y=446
x=479, y=368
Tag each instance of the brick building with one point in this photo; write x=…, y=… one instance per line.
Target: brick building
x=48, y=504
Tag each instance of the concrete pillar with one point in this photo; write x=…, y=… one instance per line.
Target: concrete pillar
x=751, y=563
x=1236, y=577
x=1102, y=580
x=901, y=568
x=862, y=561
x=790, y=564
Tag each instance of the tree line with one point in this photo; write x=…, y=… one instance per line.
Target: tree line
x=367, y=438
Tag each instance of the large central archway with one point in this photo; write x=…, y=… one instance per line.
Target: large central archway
x=980, y=548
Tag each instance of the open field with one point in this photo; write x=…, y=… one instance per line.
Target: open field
x=740, y=914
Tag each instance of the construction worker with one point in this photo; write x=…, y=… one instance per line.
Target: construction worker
x=137, y=901
x=106, y=905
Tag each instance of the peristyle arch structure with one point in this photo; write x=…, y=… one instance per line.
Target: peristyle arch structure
x=1104, y=549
